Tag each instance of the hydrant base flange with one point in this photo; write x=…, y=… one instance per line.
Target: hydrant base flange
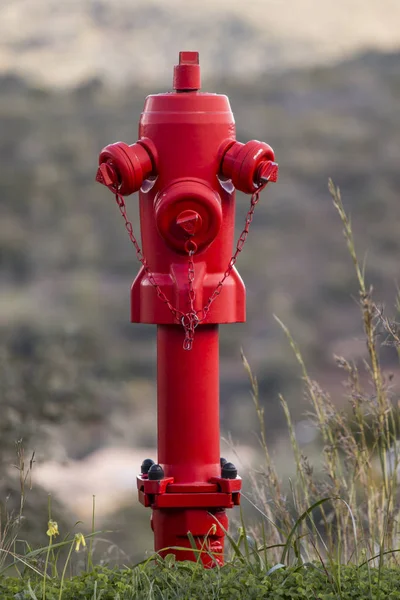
x=219, y=492
x=180, y=510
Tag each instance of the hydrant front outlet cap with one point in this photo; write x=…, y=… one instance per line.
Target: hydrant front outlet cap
x=188, y=207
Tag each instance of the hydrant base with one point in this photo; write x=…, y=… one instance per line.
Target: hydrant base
x=207, y=530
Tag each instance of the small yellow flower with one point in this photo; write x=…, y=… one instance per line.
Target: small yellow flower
x=79, y=539
x=52, y=528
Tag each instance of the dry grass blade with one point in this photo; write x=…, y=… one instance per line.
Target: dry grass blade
x=360, y=450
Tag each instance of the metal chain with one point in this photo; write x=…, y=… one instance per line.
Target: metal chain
x=239, y=247
x=178, y=314
x=191, y=319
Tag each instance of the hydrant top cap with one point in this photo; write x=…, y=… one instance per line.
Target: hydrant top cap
x=187, y=73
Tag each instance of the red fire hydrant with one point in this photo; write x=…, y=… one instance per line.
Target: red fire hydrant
x=187, y=164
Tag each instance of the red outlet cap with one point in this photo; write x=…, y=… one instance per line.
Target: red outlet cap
x=187, y=73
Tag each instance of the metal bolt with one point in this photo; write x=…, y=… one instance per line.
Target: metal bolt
x=222, y=461
x=229, y=471
x=146, y=464
x=156, y=472
x=190, y=221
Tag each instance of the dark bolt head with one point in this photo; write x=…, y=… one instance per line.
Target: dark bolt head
x=155, y=473
x=222, y=461
x=229, y=471
x=146, y=464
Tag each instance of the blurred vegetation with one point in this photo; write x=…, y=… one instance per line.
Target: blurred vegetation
x=337, y=530
x=75, y=374
x=358, y=470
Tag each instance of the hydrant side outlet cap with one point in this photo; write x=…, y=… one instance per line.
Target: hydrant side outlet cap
x=187, y=73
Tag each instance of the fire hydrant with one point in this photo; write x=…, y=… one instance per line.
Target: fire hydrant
x=186, y=166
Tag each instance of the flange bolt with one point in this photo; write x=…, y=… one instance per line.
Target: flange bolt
x=146, y=465
x=156, y=472
x=229, y=471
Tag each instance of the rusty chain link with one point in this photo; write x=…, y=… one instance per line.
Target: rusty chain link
x=191, y=319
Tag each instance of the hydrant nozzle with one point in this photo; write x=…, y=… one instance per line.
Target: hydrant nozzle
x=187, y=73
x=190, y=221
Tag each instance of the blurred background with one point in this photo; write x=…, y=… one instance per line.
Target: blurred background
x=320, y=82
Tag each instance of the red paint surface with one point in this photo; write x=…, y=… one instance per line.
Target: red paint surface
x=186, y=164
x=188, y=404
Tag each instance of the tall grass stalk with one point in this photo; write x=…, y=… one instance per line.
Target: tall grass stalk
x=10, y=523
x=360, y=458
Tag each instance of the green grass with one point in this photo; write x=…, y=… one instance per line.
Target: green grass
x=162, y=580
x=332, y=531
x=359, y=467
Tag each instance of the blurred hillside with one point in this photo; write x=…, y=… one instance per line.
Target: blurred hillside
x=67, y=263
x=75, y=374
x=63, y=43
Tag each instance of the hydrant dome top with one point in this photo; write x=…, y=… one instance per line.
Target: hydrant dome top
x=199, y=102
x=186, y=97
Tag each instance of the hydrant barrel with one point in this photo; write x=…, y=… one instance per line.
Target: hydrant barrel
x=188, y=404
